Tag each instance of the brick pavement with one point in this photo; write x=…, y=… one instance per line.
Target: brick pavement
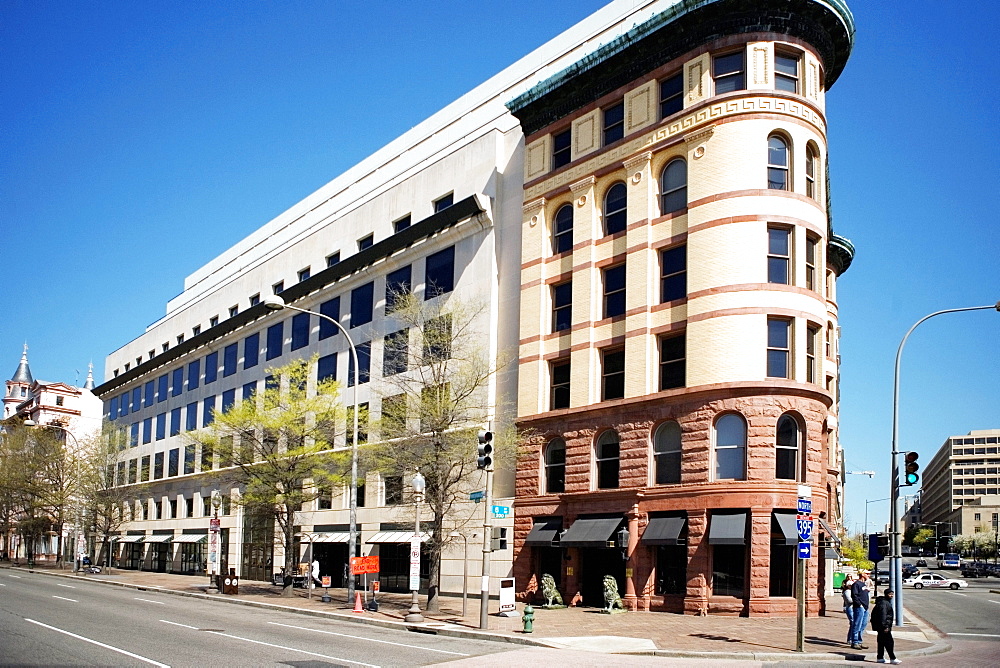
x=669, y=633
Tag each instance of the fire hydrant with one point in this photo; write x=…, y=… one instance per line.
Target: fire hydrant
x=528, y=618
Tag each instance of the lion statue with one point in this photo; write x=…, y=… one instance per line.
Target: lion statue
x=549, y=591
x=611, y=596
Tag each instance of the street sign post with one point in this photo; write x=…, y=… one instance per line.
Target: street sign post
x=804, y=527
x=805, y=550
x=360, y=565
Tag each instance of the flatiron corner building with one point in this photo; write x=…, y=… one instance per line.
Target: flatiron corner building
x=643, y=205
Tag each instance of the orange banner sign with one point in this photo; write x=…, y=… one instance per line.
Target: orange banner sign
x=361, y=565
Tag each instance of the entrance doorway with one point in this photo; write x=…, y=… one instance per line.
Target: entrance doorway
x=158, y=556
x=595, y=563
x=549, y=561
x=332, y=558
x=258, y=544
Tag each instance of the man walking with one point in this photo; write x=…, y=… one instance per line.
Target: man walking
x=882, y=619
x=860, y=599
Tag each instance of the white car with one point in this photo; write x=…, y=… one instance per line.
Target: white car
x=935, y=580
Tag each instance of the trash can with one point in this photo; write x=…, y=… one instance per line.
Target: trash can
x=231, y=583
x=838, y=579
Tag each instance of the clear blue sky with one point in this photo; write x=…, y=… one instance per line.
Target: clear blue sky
x=141, y=139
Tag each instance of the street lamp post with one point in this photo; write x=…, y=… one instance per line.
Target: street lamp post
x=276, y=303
x=465, y=569
x=413, y=614
x=866, y=513
x=895, y=563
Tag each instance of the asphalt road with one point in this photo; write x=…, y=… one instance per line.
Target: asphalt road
x=44, y=621
x=966, y=613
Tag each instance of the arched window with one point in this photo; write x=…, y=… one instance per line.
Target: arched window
x=673, y=187
x=812, y=170
x=788, y=448
x=614, y=209
x=606, y=451
x=730, y=447
x=555, y=466
x=777, y=163
x=667, y=453
x=562, y=230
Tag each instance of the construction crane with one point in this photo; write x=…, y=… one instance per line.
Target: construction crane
x=870, y=474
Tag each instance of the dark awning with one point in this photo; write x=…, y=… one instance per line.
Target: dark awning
x=786, y=527
x=544, y=532
x=664, y=530
x=831, y=553
x=830, y=535
x=591, y=532
x=728, y=529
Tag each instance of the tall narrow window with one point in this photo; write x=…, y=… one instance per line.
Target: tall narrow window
x=779, y=257
x=364, y=364
x=787, y=444
x=777, y=163
x=331, y=309
x=607, y=461
x=671, y=95
x=612, y=374
x=562, y=230
x=730, y=447
x=300, y=330
x=667, y=453
x=191, y=417
x=786, y=72
x=437, y=339
x=614, y=291
x=397, y=287
x=229, y=357
x=275, y=340
x=251, y=350
x=326, y=367
x=561, y=143
x=176, y=382
x=673, y=273
x=562, y=306
x=673, y=187
x=811, y=161
x=812, y=345
x=555, y=467
x=208, y=411
x=395, y=352
x=394, y=417
x=812, y=245
x=560, y=371
x=673, y=366
x=778, y=347
x=729, y=72
x=439, y=273
x=175, y=421
x=614, y=123
x=615, y=202
x=362, y=300
x=161, y=388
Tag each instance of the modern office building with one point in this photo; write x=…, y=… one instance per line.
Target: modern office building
x=679, y=329
x=960, y=483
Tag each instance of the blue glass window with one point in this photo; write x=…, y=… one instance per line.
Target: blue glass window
x=270, y=383
x=251, y=350
x=158, y=466
x=249, y=389
x=161, y=426
x=113, y=409
x=136, y=399
x=177, y=381
x=329, y=308
x=364, y=364
x=208, y=411
x=191, y=422
x=300, y=330
x=326, y=369
x=175, y=421
x=147, y=430
x=229, y=355
x=211, y=367
x=133, y=439
x=194, y=371
x=228, y=400
x=174, y=462
x=439, y=273
x=148, y=394
x=275, y=339
x=362, y=299
x=397, y=285
x=161, y=388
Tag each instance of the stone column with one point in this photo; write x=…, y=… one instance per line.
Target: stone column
x=698, y=573
x=759, y=546
x=631, y=562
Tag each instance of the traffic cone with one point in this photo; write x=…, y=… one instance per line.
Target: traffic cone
x=357, y=602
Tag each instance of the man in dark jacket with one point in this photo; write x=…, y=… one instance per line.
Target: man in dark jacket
x=860, y=598
x=882, y=619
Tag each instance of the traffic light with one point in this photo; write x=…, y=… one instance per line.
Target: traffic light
x=498, y=540
x=883, y=543
x=910, y=468
x=485, y=457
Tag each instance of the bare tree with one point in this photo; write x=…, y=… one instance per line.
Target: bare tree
x=101, y=484
x=436, y=390
x=278, y=447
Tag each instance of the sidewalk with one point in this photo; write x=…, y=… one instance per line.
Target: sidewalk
x=661, y=634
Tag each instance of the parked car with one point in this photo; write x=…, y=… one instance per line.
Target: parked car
x=909, y=571
x=935, y=581
x=922, y=562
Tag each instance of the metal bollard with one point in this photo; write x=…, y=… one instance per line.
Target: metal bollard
x=528, y=618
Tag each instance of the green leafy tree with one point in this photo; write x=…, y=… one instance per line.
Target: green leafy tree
x=438, y=373
x=277, y=448
x=922, y=537
x=854, y=550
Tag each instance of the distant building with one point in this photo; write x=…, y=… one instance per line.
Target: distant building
x=961, y=483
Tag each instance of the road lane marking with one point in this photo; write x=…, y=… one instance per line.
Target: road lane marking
x=16, y=576
x=981, y=635
x=3, y=585
x=193, y=628
x=992, y=601
x=957, y=594
x=292, y=649
x=387, y=642
x=67, y=586
x=65, y=599
x=100, y=644
x=148, y=601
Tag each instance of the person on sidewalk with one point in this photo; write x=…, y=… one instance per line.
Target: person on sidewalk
x=859, y=600
x=845, y=592
x=882, y=620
